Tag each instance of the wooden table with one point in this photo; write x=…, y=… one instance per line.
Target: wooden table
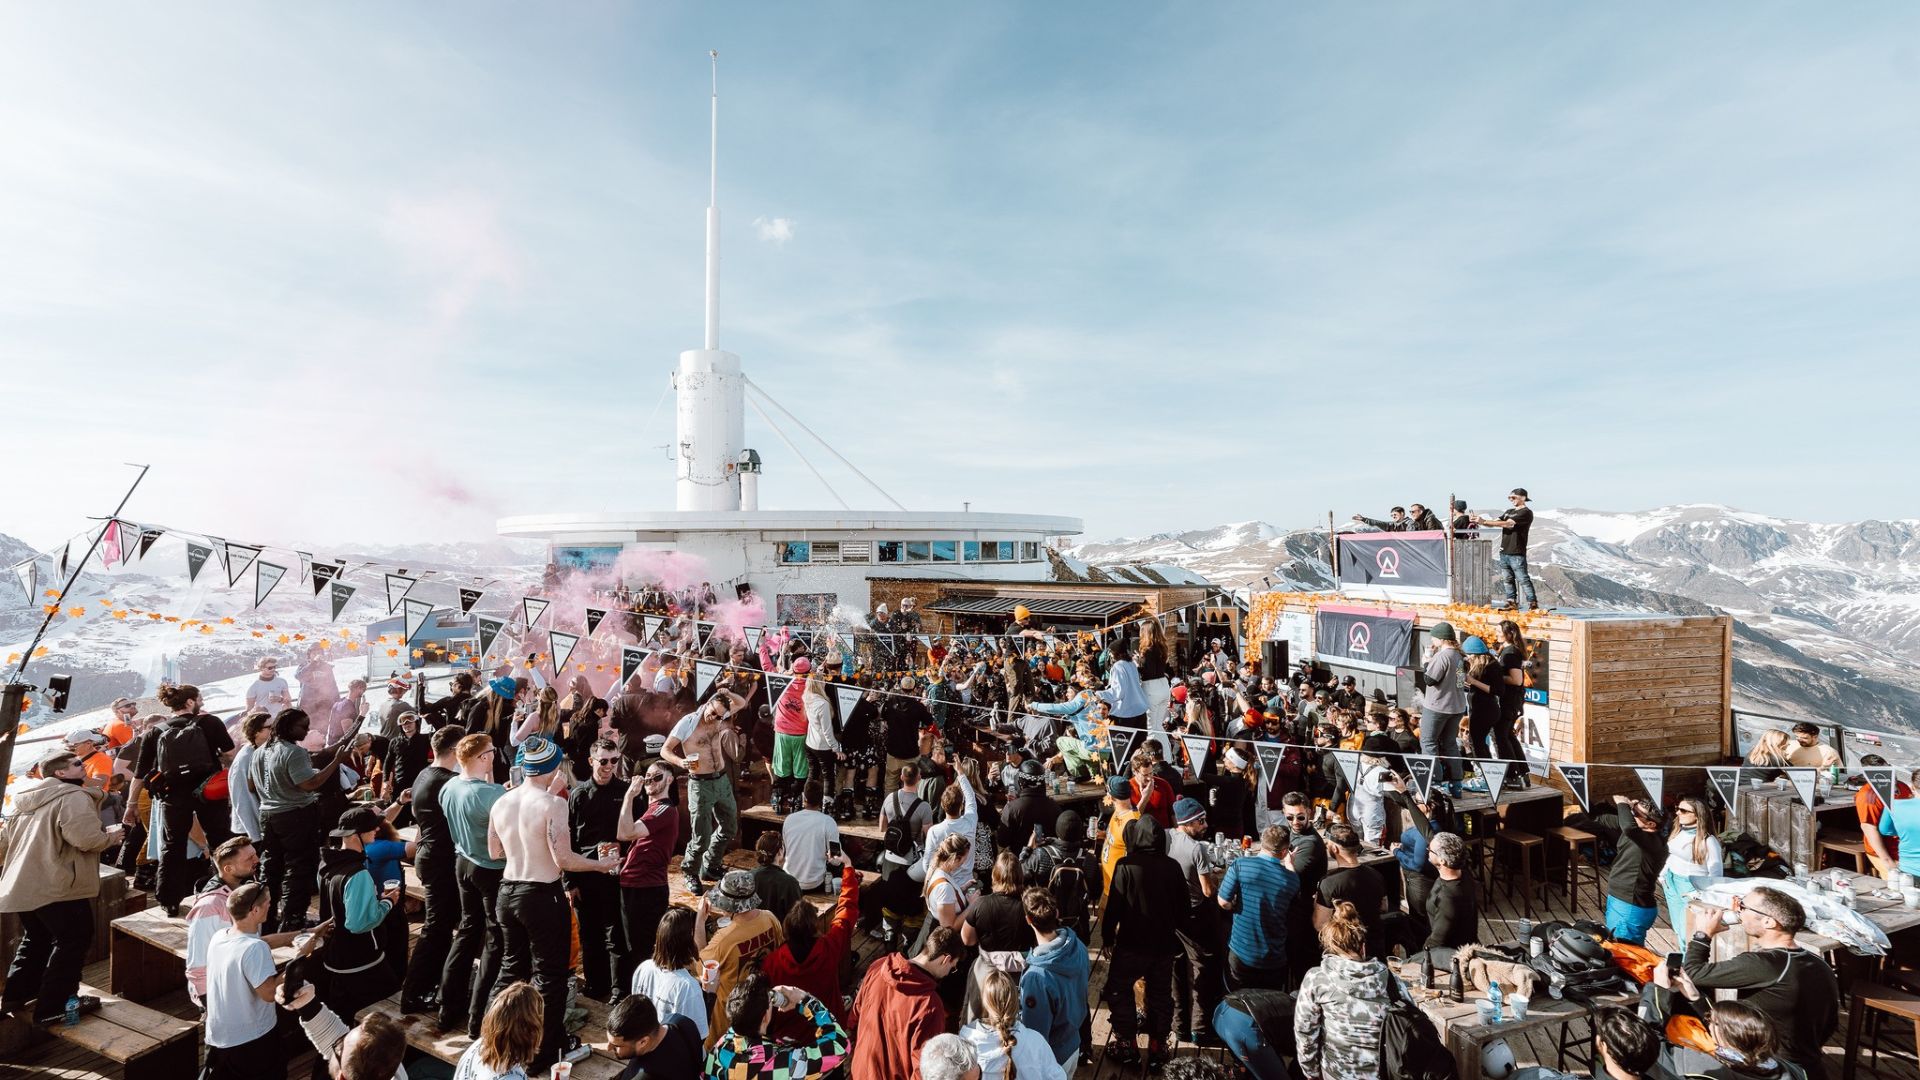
x=1466, y=1036
x=148, y=955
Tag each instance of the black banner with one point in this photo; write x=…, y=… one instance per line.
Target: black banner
x=1420, y=770
x=1389, y=561
x=485, y=631
x=147, y=537
x=1726, y=781
x=340, y=593
x=1363, y=637
x=1576, y=778
x=631, y=657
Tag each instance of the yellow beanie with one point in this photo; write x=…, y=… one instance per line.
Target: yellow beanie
x=1020, y=612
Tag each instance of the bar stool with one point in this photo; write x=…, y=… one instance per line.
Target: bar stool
x=1582, y=865
x=1846, y=845
x=1897, y=1004
x=1525, y=846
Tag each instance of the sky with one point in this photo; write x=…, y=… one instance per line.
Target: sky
x=385, y=273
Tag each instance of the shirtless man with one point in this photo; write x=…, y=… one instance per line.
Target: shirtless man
x=528, y=828
x=707, y=745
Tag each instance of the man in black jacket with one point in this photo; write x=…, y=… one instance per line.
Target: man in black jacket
x=433, y=861
x=1793, y=987
x=1639, y=856
x=1147, y=899
x=1032, y=808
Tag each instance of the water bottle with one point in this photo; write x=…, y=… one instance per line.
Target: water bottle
x=1494, y=995
x=73, y=1011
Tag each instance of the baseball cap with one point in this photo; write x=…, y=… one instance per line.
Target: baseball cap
x=356, y=820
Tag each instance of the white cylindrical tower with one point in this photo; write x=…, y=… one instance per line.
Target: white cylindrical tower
x=709, y=427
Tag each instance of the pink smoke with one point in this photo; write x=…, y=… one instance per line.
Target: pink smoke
x=732, y=617
x=673, y=570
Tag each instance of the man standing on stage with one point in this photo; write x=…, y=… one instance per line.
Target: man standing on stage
x=1512, y=563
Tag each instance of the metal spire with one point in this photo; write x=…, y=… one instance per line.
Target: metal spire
x=713, y=215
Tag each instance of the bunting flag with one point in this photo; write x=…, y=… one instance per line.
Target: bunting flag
x=704, y=672
x=562, y=645
x=1726, y=781
x=66, y=550
x=754, y=634
x=265, y=576
x=306, y=565
x=321, y=574
x=340, y=592
x=147, y=537
x=29, y=573
x=398, y=586
x=235, y=567
x=1495, y=774
x=652, y=625
x=533, y=607
x=1802, y=781
x=1349, y=762
x=925, y=641
x=595, y=616
x=416, y=614
x=219, y=548
x=702, y=630
x=468, y=598
x=110, y=552
x=1420, y=770
x=631, y=657
x=1654, y=779
x=1196, y=754
x=777, y=685
x=1880, y=779
x=1269, y=757
x=485, y=631
x=849, y=697
x=197, y=555
x=1124, y=740
x=1576, y=778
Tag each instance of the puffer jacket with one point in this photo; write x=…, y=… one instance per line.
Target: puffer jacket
x=1337, y=1019
x=50, y=847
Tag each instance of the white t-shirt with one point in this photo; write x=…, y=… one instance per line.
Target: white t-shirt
x=1032, y=1057
x=672, y=993
x=683, y=728
x=1368, y=809
x=805, y=835
x=237, y=965
x=269, y=694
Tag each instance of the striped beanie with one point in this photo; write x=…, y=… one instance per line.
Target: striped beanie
x=538, y=756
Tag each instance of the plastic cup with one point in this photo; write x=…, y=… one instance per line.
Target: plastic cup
x=710, y=975
x=1488, y=1011
x=1518, y=1003
x=562, y=1070
x=1910, y=898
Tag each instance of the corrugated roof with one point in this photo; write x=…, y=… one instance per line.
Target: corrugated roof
x=1061, y=606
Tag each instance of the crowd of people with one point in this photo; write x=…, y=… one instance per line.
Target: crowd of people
x=546, y=825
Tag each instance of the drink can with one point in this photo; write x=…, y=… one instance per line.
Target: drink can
x=1536, y=946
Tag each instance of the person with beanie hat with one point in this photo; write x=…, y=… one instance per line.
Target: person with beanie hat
x=1443, y=701
x=1031, y=809
x=491, y=714
x=1119, y=811
x=528, y=828
x=1064, y=865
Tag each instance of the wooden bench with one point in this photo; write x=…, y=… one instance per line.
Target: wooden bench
x=425, y=1035
x=148, y=1045
x=112, y=901
x=148, y=957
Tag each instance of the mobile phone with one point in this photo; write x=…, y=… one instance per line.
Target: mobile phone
x=293, y=981
x=833, y=849
x=516, y=776
x=1674, y=961
x=1037, y=834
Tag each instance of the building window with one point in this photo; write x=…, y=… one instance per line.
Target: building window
x=892, y=551
x=970, y=551
x=826, y=551
x=943, y=551
x=917, y=551
x=1029, y=550
x=856, y=551
x=1006, y=550
x=795, y=551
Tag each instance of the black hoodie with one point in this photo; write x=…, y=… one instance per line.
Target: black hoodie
x=1148, y=897
x=345, y=950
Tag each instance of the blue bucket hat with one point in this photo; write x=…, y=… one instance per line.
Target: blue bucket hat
x=1474, y=646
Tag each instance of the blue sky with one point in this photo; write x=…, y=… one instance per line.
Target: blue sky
x=384, y=272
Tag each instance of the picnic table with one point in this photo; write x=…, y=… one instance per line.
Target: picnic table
x=148, y=955
x=1467, y=1035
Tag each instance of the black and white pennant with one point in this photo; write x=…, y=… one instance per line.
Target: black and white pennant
x=197, y=556
x=652, y=625
x=239, y=557
x=704, y=672
x=339, y=592
x=29, y=574
x=485, y=631
x=1269, y=755
x=631, y=657
x=147, y=537
x=1726, y=783
x=562, y=649
x=398, y=586
x=306, y=565
x=1654, y=779
x=754, y=633
x=1495, y=774
x=848, y=695
x=1880, y=779
x=1802, y=781
x=415, y=614
x=777, y=685
x=533, y=607
x=1196, y=754
x=1420, y=770
x=1124, y=740
x=265, y=576
x=1349, y=762
x=595, y=616
x=468, y=598
x=323, y=573
x=1576, y=778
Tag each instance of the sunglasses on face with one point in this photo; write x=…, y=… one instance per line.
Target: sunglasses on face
x=1298, y=817
x=606, y=761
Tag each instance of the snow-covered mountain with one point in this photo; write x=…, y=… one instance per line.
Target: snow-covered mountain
x=1828, y=614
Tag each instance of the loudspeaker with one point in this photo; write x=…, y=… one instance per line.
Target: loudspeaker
x=1273, y=658
x=58, y=687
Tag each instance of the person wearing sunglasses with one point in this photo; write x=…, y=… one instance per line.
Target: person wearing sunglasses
x=593, y=818
x=1791, y=986
x=650, y=837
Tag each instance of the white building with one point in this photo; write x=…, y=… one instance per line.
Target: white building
x=794, y=560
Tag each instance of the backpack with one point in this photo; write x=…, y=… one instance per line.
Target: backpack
x=1410, y=1046
x=1068, y=884
x=898, y=840
x=183, y=758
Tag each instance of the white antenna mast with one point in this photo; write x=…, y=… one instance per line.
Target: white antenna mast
x=713, y=216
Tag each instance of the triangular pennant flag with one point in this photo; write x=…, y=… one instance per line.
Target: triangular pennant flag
x=777, y=685
x=468, y=598
x=702, y=630
x=1349, y=762
x=219, y=548
x=1495, y=774
x=1576, y=778
x=1420, y=770
x=1124, y=740
x=29, y=572
x=147, y=537
x=306, y=565
x=265, y=576
x=652, y=625
x=485, y=630
x=1880, y=779
x=562, y=649
x=1726, y=781
x=1802, y=781
x=239, y=557
x=925, y=641
x=197, y=555
x=1269, y=755
x=849, y=697
x=631, y=657
x=110, y=543
x=340, y=592
x=1196, y=754
x=704, y=672
x=415, y=616
x=754, y=634
x=594, y=617
x=398, y=586
x=66, y=550
x=1654, y=779
x=321, y=574
x=533, y=607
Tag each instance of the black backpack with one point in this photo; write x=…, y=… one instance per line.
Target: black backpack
x=183, y=758
x=1410, y=1046
x=898, y=840
x=1068, y=884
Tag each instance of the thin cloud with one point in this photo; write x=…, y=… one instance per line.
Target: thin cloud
x=776, y=231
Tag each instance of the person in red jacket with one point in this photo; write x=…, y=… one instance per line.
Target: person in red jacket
x=898, y=1009
x=1152, y=795
x=812, y=962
